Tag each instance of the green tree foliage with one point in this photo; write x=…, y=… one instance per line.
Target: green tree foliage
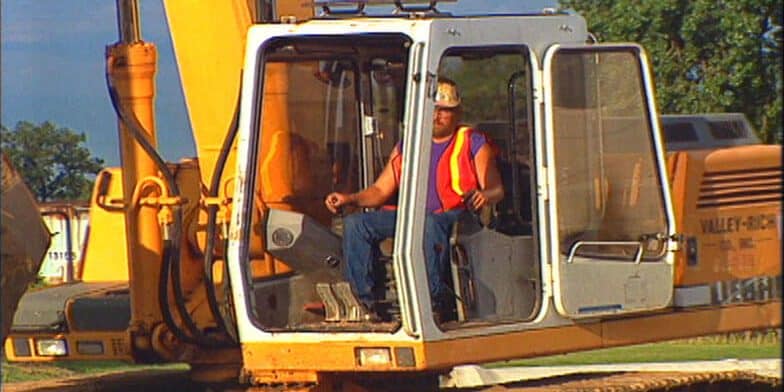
x=484, y=101
x=53, y=161
x=707, y=55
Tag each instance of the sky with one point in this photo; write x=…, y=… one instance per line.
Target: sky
x=52, y=68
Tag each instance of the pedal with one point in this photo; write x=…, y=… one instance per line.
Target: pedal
x=354, y=310
x=332, y=309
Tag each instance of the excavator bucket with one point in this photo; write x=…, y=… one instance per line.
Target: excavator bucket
x=25, y=240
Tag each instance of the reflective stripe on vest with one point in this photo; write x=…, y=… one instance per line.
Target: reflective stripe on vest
x=455, y=161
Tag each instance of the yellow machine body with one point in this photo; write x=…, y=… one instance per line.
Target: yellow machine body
x=729, y=209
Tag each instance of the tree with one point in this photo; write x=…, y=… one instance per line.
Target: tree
x=707, y=55
x=53, y=161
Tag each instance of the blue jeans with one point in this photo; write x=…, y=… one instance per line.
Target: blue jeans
x=362, y=233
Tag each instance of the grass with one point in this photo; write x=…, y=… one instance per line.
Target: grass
x=20, y=372
x=701, y=349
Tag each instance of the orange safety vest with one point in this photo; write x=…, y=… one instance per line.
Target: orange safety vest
x=455, y=175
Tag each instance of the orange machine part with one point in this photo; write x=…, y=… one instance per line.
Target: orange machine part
x=730, y=215
x=132, y=68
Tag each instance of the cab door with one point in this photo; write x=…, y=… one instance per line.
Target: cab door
x=609, y=212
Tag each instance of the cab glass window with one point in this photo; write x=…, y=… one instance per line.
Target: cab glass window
x=493, y=270
x=609, y=196
x=495, y=87
x=727, y=129
x=679, y=132
x=325, y=121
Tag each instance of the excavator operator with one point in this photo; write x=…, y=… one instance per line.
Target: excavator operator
x=462, y=175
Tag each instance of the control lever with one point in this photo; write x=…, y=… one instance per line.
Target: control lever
x=336, y=226
x=340, y=210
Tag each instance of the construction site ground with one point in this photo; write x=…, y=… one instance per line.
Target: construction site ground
x=725, y=375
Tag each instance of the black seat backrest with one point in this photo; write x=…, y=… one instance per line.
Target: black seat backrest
x=509, y=221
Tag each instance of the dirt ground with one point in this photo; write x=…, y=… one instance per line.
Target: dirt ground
x=177, y=380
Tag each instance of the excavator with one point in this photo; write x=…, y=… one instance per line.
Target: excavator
x=231, y=263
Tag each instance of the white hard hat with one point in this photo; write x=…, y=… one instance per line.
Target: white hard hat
x=447, y=95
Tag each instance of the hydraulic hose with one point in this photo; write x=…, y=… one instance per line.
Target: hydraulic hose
x=163, y=295
x=171, y=263
x=224, y=325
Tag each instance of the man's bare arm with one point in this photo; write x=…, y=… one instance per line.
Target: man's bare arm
x=378, y=193
x=491, y=189
x=372, y=196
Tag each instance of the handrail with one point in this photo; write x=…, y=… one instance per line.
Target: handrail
x=578, y=244
x=410, y=6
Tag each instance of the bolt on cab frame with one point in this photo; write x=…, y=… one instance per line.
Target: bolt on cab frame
x=583, y=239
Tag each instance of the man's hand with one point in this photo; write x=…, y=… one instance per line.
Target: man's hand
x=336, y=200
x=489, y=179
x=475, y=200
